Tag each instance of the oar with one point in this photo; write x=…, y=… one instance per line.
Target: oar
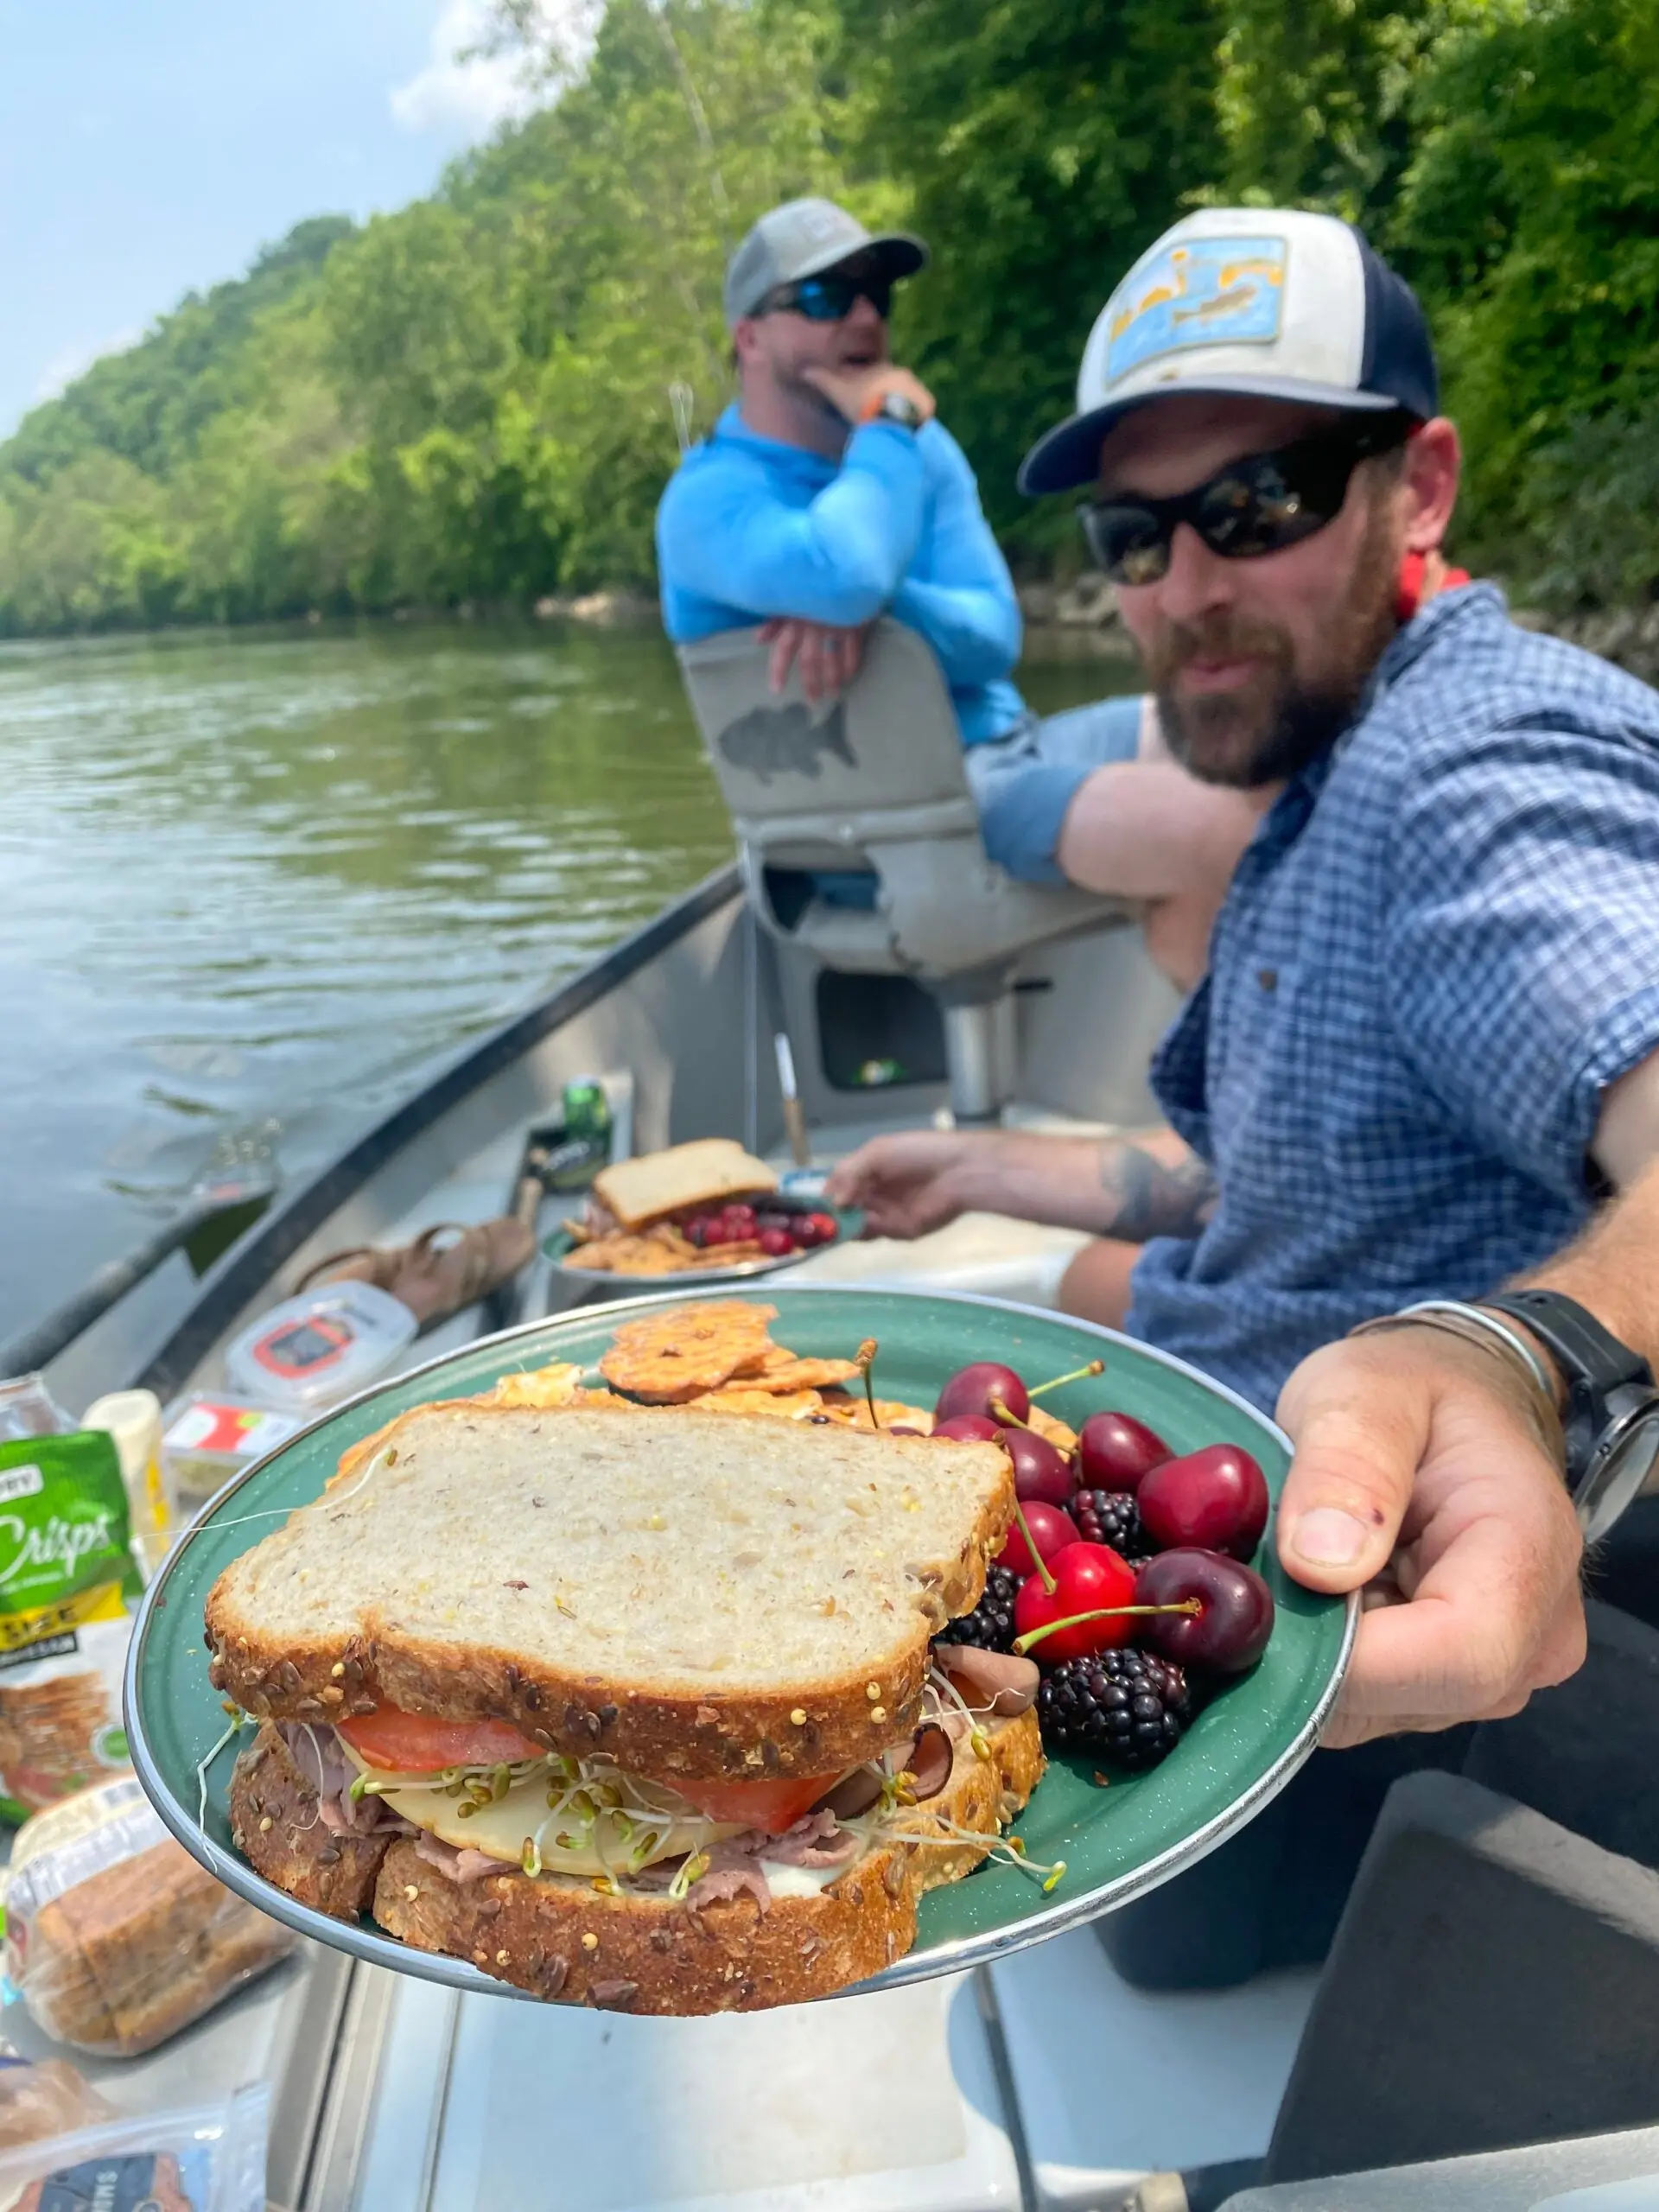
x=243, y=1175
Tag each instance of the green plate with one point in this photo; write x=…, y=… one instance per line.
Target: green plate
x=1117, y=1841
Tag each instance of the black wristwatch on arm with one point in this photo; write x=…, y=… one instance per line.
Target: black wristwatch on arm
x=1611, y=1417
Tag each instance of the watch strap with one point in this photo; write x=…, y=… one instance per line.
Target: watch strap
x=1593, y=1363
x=890, y=406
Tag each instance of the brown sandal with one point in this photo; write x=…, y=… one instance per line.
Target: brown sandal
x=433, y=1280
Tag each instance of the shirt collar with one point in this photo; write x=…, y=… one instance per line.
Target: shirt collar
x=1449, y=613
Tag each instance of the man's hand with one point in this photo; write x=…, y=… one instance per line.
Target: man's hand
x=1421, y=1477
x=917, y=1181
x=850, y=391
x=828, y=659
x=1132, y=1187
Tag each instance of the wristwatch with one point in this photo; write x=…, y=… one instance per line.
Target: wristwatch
x=1612, y=1421
x=894, y=407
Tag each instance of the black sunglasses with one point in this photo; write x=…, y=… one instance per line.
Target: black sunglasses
x=828, y=299
x=1258, y=505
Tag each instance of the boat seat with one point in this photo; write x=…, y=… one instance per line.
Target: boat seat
x=859, y=840
x=1494, y=1981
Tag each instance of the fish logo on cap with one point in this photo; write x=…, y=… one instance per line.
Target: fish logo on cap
x=1220, y=291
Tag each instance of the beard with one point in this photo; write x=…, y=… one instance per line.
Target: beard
x=1272, y=727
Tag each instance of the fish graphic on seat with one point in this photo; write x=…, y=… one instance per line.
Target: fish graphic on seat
x=786, y=740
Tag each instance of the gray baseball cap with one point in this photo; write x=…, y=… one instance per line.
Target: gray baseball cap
x=804, y=238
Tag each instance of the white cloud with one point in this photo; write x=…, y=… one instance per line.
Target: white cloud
x=71, y=361
x=463, y=92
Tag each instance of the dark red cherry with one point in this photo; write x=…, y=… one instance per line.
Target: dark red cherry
x=1051, y=1531
x=971, y=1390
x=1115, y=1450
x=1040, y=1471
x=1230, y=1629
x=1215, y=1498
x=970, y=1428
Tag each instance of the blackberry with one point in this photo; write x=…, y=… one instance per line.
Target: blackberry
x=1111, y=1516
x=1130, y=1706
x=990, y=1625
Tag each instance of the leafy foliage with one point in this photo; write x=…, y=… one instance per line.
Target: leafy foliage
x=475, y=398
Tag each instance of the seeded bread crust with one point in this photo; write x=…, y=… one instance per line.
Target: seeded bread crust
x=652, y=1955
x=362, y=1656
x=275, y=1825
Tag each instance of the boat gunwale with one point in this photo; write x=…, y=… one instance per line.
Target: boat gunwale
x=243, y=1271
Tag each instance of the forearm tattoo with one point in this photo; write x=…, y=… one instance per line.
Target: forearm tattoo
x=1149, y=1198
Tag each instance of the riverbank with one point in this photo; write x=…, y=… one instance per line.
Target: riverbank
x=1085, y=611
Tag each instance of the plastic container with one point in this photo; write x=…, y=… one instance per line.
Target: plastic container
x=206, y=2157
x=28, y=1408
x=133, y=1418
x=210, y=1440
x=314, y=1350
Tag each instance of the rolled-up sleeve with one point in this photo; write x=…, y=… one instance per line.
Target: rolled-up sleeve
x=1523, y=935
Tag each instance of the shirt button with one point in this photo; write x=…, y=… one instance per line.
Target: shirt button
x=1269, y=978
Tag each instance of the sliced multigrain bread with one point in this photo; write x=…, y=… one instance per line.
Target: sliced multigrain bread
x=747, y=1597
x=561, y=1938
x=701, y=1173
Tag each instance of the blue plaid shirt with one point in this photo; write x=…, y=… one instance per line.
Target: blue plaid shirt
x=1440, y=950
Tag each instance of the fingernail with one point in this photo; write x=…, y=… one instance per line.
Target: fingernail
x=1329, y=1537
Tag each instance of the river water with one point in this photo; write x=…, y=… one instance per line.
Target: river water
x=266, y=879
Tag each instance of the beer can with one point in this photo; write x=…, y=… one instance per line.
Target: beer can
x=587, y=1111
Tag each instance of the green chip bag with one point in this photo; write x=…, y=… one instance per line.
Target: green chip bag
x=67, y=1584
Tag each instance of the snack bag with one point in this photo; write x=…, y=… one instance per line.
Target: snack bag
x=209, y=2158
x=115, y=1937
x=67, y=1580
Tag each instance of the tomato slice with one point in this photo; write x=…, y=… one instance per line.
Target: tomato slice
x=419, y=1743
x=771, y=1806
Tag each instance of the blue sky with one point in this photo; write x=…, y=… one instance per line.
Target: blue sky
x=149, y=148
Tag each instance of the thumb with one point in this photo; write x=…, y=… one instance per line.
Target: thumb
x=1361, y=1430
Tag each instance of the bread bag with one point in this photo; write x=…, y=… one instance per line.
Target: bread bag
x=115, y=1936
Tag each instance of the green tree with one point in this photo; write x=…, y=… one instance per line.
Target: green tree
x=1046, y=143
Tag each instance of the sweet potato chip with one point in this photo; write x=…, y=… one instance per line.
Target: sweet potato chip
x=1054, y=1430
x=792, y=1374
x=754, y=1398
x=669, y=1358
x=557, y=1385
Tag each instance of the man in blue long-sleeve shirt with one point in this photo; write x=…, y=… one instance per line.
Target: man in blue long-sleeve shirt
x=829, y=495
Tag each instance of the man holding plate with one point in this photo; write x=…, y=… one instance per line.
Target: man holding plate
x=1423, y=1068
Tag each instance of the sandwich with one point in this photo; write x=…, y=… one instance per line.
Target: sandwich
x=713, y=1171
x=629, y=1708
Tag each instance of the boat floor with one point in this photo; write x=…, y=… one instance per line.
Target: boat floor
x=1044, y=2081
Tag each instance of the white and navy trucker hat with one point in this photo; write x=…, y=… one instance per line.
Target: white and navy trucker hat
x=806, y=237
x=1274, y=302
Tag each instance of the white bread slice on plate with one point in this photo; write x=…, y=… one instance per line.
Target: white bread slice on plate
x=560, y=1937
x=748, y=1598
x=707, y=1172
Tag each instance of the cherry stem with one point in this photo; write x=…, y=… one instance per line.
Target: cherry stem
x=1095, y=1367
x=1023, y=1644
x=865, y=1357
x=1049, y=1583
x=1000, y=1415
